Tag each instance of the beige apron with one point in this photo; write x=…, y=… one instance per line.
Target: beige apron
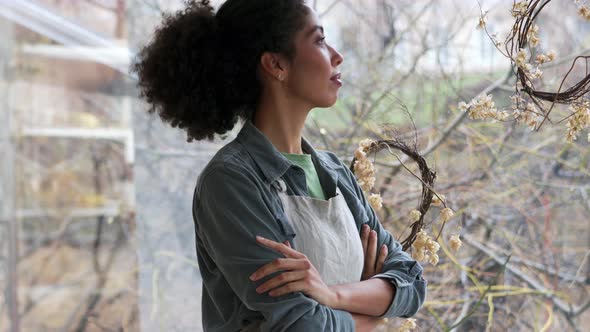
x=326, y=233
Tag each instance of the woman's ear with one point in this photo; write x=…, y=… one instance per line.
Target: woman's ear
x=273, y=65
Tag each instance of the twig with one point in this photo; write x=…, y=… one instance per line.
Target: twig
x=564, y=307
x=482, y=296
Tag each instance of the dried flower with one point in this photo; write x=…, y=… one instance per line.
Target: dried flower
x=415, y=215
x=537, y=73
x=359, y=154
x=532, y=35
x=376, y=201
x=529, y=116
x=520, y=8
x=584, y=11
x=534, y=40
x=424, y=248
x=432, y=246
x=501, y=115
x=541, y=58
x=455, y=242
x=418, y=255
x=366, y=143
x=463, y=106
x=517, y=100
x=433, y=259
x=436, y=201
x=367, y=183
x=446, y=214
x=521, y=58
x=521, y=61
x=408, y=325
x=579, y=120
x=483, y=19
x=482, y=107
x=363, y=167
x=494, y=37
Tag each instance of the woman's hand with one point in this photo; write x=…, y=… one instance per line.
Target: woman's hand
x=301, y=275
x=373, y=260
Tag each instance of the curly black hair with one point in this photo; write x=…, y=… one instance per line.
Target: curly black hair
x=199, y=72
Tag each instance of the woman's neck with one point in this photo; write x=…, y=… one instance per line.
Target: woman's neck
x=283, y=128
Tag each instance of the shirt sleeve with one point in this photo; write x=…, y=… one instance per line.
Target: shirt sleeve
x=399, y=267
x=230, y=211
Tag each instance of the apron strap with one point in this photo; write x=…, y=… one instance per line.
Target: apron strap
x=280, y=216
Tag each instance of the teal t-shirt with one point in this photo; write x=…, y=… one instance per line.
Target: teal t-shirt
x=311, y=176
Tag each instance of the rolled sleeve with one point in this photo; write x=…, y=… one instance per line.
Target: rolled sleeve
x=399, y=268
x=409, y=292
x=229, y=212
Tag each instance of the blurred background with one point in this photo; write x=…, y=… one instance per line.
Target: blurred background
x=96, y=230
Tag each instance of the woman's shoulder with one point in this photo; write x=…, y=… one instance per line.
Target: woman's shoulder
x=329, y=157
x=332, y=160
x=229, y=160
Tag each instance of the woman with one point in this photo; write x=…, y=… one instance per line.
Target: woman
x=286, y=240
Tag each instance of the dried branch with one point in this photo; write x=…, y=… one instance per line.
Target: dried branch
x=564, y=307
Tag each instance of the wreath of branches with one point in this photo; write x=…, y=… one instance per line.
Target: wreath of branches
x=520, y=38
x=427, y=177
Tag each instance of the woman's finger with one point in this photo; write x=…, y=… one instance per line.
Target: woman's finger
x=365, y=238
x=291, y=287
x=280, y=247
x=381, y=259
x=280, y=264
x=286, y=242
x=371, y=257
x=365, y=242
x=281, y=279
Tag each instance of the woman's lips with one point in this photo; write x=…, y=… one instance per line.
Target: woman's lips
x=336, y=79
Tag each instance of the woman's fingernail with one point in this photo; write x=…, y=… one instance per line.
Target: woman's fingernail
x=258, y=237
x=253, y=276
x=373, y=233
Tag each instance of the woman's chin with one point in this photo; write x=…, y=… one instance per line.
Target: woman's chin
x=328, y=102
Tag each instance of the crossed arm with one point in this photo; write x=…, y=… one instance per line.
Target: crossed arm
x=368, y=297
x=364, y=300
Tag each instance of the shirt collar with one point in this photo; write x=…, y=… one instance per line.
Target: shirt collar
x=271, y=161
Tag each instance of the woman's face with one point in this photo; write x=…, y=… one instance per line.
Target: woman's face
x=316, y=62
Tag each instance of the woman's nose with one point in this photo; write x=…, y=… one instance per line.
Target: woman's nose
x=337, y=58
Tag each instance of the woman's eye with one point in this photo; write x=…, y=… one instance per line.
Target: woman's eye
x=321, y=40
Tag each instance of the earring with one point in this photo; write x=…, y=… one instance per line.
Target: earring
x=280, y=77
